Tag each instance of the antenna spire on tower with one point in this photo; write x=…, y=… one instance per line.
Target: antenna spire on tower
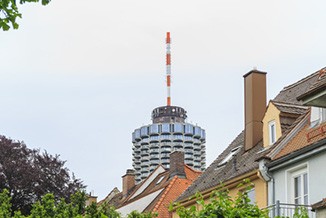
x=168, y=68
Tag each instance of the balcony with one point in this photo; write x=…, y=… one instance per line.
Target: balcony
x=154, y=139
x=154, y=157
x=197, y=142
x=165, y=150
x=165, y=161
x=287, y=210
x=165, y=155
x=136, y=144
x=155, y=162
x=165, y=138
x=144, y=141
x=144, y=153
x=154, y=151
x=188, y=139
x=177, y=138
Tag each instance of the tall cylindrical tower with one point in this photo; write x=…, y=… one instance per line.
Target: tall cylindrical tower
x=169, y=131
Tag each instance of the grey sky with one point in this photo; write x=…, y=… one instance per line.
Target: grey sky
x=78, y=77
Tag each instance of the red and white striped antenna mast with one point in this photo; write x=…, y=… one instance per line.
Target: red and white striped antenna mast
x=168, y=68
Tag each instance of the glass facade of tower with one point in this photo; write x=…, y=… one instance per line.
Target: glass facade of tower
x=152, y=144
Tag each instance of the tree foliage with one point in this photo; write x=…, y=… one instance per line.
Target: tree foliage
x=28, y=175
x=49, y=207
x=221, y=205
x=9, y=12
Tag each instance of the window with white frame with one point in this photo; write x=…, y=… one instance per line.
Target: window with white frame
x=300, y=185
x=317, y=116
x=298, y=192
x=272, y=132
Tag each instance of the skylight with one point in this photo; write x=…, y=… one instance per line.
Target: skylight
x=233, y=152
x=160, y=180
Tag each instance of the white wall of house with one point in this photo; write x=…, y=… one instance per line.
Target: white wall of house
x=284, y=179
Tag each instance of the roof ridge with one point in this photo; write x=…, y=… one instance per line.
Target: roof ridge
x=286, y=104
x=300, y=81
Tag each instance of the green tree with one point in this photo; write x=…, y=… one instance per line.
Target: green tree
x=136, y=214
x=9, y=12
x=29, y=174
x=108, y=211
x=5, y=205
x=221, y=205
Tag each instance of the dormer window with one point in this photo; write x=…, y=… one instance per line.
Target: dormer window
x=233, y=152
x=272, y=132
x=318, y=115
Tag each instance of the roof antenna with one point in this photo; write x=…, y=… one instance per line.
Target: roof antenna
x=168, y=68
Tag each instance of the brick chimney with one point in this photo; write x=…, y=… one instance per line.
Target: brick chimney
x=128, y=182
x=177, y=164
x=255, y=106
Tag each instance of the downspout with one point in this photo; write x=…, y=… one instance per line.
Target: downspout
x=267, y=176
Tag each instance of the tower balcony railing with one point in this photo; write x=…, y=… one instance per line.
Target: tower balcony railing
x=144, y=147
x=154, y=138
x=177, y=138
x=190, y=151
x=144, y=175
x=154, y=157
x=165, y=155
x=188, y=139
x=137, y=144
x=197, y=142
x=144, y=141
x=144, y=153
x=188, y=157
x=165, y=144
x=154, y=146
x=166, y=150
x=189, y=162
x=144, y=159
x=165, y=161
x=155, y=162
x=154, y=151
x=165, y=137
x=144, y=166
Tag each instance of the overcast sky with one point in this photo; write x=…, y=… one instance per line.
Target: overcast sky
x=79, y=76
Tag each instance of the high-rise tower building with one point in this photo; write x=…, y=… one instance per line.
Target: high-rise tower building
x=152, y=144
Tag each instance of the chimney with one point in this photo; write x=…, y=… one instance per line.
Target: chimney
x=128, y=182
x=177, y=164
x=255, y=106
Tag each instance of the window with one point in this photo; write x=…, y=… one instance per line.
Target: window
x=318, y=115
x=233, y=152
x=301, y=189
x=272, y=132
x=298, y=191
x=252, y=195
